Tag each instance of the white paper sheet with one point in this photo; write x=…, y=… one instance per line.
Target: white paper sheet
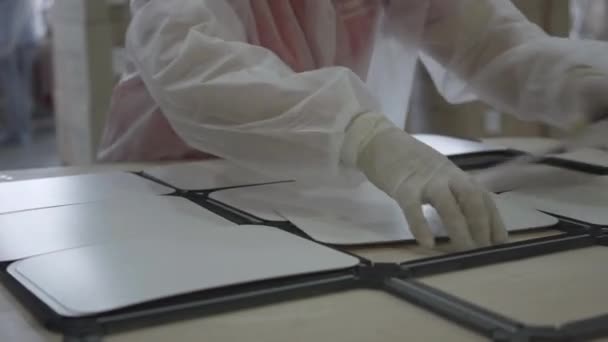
x=28, y=233
x=450, y=146
x=346, y=216
x=536, y=144
x=354, y=216
x=526, y=176
x=259, y=201
x=101, y=278
x=59, y=191
x=585, y=200
x=206, y=175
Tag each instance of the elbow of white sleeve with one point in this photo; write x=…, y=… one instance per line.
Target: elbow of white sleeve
x=242, y=103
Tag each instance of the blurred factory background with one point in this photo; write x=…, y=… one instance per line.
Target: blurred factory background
x=81, y=56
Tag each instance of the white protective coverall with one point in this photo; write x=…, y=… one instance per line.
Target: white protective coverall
x=301, y=88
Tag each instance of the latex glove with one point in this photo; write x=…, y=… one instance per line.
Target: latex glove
x=588, y=87
x=592, y=91
x=415, y=174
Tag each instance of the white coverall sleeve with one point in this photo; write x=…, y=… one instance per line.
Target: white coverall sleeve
x=239, y=101
x=489, y=48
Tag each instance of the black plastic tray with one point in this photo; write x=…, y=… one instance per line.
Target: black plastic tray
x=486, y=322
x=395, y=278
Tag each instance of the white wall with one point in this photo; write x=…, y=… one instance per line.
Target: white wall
x=83, y=37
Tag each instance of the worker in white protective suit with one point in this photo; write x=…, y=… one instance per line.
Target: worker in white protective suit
x=18, y=42
x=318, y=90
x=589, y=19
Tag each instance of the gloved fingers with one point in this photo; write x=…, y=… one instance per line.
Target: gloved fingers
x=418, y=224
x=499, y=232
x=441, y=198
x=472, y=201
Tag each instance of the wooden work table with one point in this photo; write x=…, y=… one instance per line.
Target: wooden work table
x=364, y=315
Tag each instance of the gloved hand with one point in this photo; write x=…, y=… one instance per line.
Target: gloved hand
x=587, y=88
x=414, y=174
